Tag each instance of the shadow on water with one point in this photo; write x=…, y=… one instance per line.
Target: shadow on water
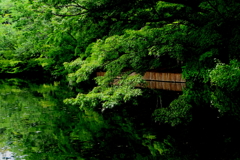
x=35, y=123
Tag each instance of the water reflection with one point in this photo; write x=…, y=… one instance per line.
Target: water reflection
x=36, y=124
x=6, y=155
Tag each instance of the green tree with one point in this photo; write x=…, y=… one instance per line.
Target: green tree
x=196, y=34
x=125, y=37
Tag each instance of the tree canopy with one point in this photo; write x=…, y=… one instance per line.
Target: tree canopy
x=73, y=39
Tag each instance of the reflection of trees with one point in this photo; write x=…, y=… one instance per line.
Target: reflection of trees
x=28, y=114
x=38, y=124
x=35, y=122
x=212, y=131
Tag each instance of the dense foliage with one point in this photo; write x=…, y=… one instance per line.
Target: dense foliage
x=35, y=124
x=72, y=39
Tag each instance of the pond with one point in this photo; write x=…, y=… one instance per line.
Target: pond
x=36, y=124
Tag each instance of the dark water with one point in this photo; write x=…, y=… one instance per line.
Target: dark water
x=36, y=124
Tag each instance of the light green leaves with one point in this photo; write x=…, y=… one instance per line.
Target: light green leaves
x=116, y=54
x=107, y=95
x=226, y=76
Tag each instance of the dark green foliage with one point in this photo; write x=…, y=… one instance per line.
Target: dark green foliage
x=75, y=39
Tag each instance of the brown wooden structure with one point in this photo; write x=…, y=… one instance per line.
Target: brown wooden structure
x=160, y=80
x=171, y=86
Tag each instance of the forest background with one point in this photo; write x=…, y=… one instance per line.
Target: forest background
x=69, y=40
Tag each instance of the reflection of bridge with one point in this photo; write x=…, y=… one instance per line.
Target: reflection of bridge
x=171, y=86
x=159, y=80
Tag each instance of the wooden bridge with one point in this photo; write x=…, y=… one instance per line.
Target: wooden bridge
x=160, y=80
